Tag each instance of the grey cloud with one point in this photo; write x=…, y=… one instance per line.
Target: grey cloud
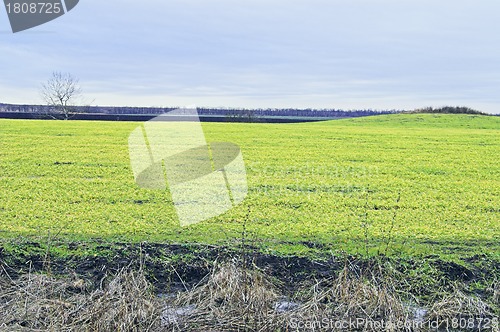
x=316, y=53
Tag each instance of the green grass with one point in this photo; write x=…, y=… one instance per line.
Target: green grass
x=313, y=187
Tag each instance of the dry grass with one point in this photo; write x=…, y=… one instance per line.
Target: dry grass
x=495, y=292
x=38, y=302
x=233, y=299
x=348, y=297
x=230, y=298
x=461, y=306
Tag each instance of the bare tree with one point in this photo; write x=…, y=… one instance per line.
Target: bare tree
x=60, y=93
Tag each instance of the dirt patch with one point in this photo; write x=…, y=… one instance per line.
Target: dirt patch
x=189, y=263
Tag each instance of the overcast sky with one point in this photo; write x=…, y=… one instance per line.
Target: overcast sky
x=350, y=54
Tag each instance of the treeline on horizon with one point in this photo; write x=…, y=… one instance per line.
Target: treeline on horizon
x=450, y=110
x=240, y=112
x=213, y=111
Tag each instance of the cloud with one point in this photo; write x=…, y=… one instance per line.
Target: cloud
x=320, y=53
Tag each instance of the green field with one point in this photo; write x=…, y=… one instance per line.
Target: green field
x=409, y=185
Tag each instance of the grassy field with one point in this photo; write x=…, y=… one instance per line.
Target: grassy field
x=410, y=185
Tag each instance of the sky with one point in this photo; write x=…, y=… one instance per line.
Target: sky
x=350, y=54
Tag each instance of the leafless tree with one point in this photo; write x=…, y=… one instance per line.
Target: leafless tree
x=60, y=93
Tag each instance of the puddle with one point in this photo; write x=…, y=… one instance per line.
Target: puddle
x=284, y=305
x=418, y=313
x=174, y=315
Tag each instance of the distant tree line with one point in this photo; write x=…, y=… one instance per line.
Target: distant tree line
x=226, y=112
x=21, y=108
x=308, y=112
x=240, y=113
x=449, y=110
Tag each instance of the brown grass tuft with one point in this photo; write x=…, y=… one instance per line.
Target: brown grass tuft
x=232, y=299
x=40, y=302
x=126, y=304
x=458, y=306
x=350, y=296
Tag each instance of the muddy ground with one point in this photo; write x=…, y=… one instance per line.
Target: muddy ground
x=176, y=264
